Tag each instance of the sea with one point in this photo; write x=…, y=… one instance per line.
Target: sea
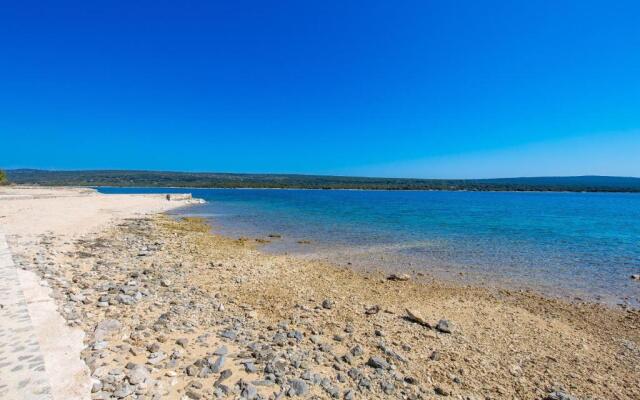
x=578, y=246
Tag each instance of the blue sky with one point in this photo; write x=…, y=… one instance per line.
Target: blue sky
x=394, y=88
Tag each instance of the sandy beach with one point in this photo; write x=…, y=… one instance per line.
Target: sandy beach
x=149, y=307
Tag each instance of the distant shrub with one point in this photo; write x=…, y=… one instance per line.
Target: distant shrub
x=3, y=178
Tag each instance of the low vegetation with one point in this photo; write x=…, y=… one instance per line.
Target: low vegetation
x=289, y=181
x=3, y=178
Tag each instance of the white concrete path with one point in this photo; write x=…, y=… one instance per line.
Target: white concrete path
x=22, y=367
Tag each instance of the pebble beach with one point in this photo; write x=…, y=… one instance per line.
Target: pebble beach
x=166, y=308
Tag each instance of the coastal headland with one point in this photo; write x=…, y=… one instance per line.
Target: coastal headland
x=154, y=307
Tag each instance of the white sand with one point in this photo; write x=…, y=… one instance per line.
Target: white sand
x=66, y=213
x=28, y=212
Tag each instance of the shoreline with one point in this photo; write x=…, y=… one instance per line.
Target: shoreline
x=445, y=276
x=356, y=190
x=181, y=296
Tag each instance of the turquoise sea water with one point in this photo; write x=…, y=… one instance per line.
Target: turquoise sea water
x=568, y=244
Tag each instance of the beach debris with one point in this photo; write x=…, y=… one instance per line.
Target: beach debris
x=398, y=277
x=414, y=315
x=444, y=326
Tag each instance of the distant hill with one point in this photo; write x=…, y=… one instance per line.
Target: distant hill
x=225, y=180
x=588, y=181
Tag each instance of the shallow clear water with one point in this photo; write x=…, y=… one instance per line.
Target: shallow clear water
x=567, y=244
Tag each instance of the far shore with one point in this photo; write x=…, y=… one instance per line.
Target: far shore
x=357, y=190
x=180, y=312
x=631, y=192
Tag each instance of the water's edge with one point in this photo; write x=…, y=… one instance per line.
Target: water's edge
x=569, y=246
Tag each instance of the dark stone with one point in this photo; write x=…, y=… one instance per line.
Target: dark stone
x=378, y=363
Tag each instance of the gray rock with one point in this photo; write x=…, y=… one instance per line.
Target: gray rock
x=357, y=350
x=123, y=390
x=280, y=338
x=411, y=380
x=333, y=391
x=378, y=363
x=205, y=372
x=248, y=391
x=374, y=309
x=138, y=375
x=217, y=364
x=388, y=387
x=297, y=335
x=106, y=328
x=126, y=299
x=221, y=351
x=229, y=334
x=250, y=367
x=398, y=277
x=559, y=395
x=96, y=386
x=156, y=358
x=193, y=395
x=299, y=387
x=444, y=326
x=77, y=297
x=224, y=375
x=153, y=348
x=193, y=370
x=327, y=304
x=100, y=345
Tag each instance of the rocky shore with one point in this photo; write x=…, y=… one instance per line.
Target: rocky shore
x=173, y=311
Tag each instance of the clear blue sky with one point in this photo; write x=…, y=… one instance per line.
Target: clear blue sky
x=393, y=88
